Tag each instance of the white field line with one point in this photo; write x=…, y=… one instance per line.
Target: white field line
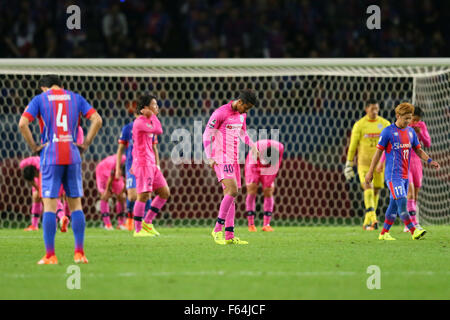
x=230, y=274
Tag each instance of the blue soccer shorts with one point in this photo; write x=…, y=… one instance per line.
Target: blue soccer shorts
x=398, y=188
x=54, y=175
x=131, y=179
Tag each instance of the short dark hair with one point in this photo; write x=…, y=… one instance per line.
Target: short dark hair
x=418, y=112
x=144, y=101
x=248, y=96
x=371, y=101
x=29, y=173
x=49, y=80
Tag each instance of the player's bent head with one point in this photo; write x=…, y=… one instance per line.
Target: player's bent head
x=418, y=113
x=49, y=80
x=29, y=173
x=145, y=101
x=247, y=99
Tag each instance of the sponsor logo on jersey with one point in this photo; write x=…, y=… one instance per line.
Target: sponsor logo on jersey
x=371, y=135
x=234, y=126
x=212, y=123
x=241, y=117
x=402, y=145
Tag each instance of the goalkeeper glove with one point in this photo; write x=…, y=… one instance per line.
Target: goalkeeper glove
x=348, y=170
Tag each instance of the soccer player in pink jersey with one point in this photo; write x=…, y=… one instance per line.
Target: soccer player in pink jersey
x=148, y=176
x=263, y=171
x=415, y=169
x=109, y=185
x=221, y=142
x=30, y=171
x=59, y=111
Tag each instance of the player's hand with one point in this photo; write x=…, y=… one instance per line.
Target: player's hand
x=212, y=163
x=81, y=147
x=368, y=179
x=37, y=150
x=348, y=170
x=435, y=165
x=118, y=174
x=380, y=167
x=417, y=130
x=255, y=153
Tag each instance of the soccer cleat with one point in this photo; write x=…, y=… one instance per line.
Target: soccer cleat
x=63, y=223
x=31, y=228
x=405, y=229
x=150, y=228
x=252, y=228
x=143, y=233
x=235, y=240
x=109, y=227
x=386, y=236
x=51, y=260
x=267, y=229
x=122, y=227
x=218, y=237
x=374, y=225
x=129, y=224
x=80, y=258
x=368, y=228
x=418, y=234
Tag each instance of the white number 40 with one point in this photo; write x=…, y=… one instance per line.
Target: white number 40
x=61, y=120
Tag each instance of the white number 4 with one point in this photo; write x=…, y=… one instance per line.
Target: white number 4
x=61, y=120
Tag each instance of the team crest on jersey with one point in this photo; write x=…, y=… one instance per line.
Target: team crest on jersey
x=149, y=125
x=212, y=123
x=380, y=126
x=410, y=135
x=395, y=133
x=241, y=117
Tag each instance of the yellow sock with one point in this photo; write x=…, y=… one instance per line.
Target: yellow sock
x=375, y=201
x=370, y=207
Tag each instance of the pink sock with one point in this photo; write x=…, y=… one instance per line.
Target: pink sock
x=104, y=210
x=138, y=213
x=414, y=220
x=60, y=209
x=268, y=204
x=267, y=220
x=229, y=222
x=119, y=211
x=250, y=202
x=227, y=201
x=36, y=211
x=251, y=220
x=157, y=204
x=66, y=209
x=410, y=205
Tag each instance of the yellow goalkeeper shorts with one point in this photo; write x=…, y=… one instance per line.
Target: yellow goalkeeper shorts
x=378, y=178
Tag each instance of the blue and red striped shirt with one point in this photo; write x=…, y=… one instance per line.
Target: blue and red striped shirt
x=397, y=144
x=59, y=112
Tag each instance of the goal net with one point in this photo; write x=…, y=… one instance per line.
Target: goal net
x=310, y=105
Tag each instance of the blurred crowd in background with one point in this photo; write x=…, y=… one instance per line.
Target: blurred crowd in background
x=223, y=29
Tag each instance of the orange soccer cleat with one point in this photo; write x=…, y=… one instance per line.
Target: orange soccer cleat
x=130, y=224
x=64, y=223
x=252, y=228
x=267, y=229
x=50, y=260
x=31, y=228
x=80, y=258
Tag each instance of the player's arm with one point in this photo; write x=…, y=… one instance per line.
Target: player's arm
x=96, y=124
x=144, y=125
x=248, y=141
x=375, y=159
x=422, y=154
x=120, y=150
x=425, y=136
x=354, y=142
x=24, y=127
x=210, y=134
x=110, y=181
x=155, y=150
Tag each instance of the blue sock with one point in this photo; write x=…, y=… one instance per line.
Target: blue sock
x=78, y=227
x=148, y=205
x=391, y=214
x=49, y=229
x=130, y=206
x=403, y=213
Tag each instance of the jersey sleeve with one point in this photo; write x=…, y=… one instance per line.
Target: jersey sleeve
x=32, y=110
x=85, y=108
x=244, y=135
x=415, y=140
x=124, y=136
x=150, y=126
x=384, y=139
x=214, y=123
x=425, y=136
x=354, y=141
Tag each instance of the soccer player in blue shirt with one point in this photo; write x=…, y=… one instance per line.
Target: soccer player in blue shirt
x=59, y=111
x=397, y=140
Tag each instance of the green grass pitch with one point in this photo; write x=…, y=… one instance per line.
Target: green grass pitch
x=185, y=263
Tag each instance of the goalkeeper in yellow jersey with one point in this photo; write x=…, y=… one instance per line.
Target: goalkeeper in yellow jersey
x=365, y=135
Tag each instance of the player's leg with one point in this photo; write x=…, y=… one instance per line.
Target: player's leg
x=51, y=178
x=369, y=198
x=391, y=214
x=36, y=211
x=144, y=187
x=415, y=180
x=268, y=207
x=378, y=184
x=232, y=187
x=131, y=198
x=73, y=185
x=65, y=219
x=104, y=202
x=162, y=192
x=410, y=205
x=250, y=205
x=416, y=198
x=118, y=189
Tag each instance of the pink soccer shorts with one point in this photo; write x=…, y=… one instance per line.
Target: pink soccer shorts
x=228, y=171
x=116, y=186
x=148, y=179
x=253, y=176
x=415, y=174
